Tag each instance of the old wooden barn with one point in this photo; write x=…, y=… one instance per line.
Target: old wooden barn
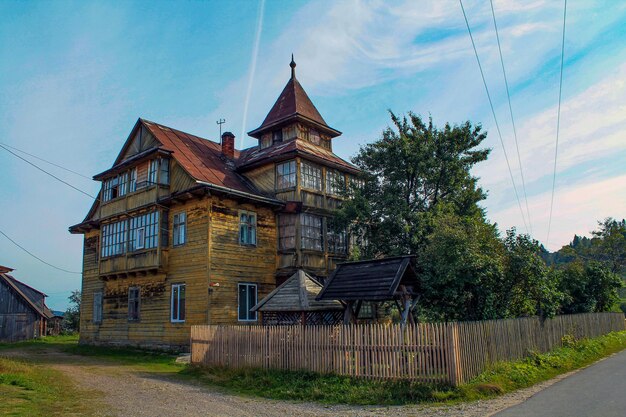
x=23, y=311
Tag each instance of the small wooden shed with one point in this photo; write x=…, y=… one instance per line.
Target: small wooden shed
x=23, y=312
x=294, y=302
x=376, y=280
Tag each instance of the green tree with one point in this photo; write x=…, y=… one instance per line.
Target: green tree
x=71, y=318
x=410, y=170
x=461, y=269
x=532, y=286
x=610, y=244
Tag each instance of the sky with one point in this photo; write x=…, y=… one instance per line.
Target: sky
x=75, y=76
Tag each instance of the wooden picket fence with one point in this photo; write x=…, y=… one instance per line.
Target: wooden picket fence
x=429, y=352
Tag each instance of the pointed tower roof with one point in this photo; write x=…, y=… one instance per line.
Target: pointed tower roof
x=293, y=104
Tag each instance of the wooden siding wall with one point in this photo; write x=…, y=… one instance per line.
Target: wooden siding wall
x=211, y=254
x=18, y=321
x=431, y=352
x=232, y=263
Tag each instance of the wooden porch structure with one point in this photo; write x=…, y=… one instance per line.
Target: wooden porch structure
x=377, y=280
x=294, y=302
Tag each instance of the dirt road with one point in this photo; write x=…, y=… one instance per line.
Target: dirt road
x=131, y=392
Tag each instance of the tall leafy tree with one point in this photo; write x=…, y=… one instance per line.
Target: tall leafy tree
x=461, y=269
x=531, y=285
x=410, y=170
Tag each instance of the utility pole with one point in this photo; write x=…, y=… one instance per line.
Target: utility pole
x=221, y=122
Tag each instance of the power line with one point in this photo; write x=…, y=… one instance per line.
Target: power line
x=508, y=95
x=46, y=172
x=482, y=74
x=37, y=257
x=46, y=161
x=558, y=124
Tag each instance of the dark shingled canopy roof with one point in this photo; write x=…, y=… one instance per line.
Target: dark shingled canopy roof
x=372, y=280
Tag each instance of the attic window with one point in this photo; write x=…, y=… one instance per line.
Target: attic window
x=277, y=136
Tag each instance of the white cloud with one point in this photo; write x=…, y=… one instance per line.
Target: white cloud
x=593, y=123
x=577, y=208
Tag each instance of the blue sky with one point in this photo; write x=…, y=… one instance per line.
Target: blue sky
x=75, y=76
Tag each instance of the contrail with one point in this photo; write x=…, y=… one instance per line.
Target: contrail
x=255, y=53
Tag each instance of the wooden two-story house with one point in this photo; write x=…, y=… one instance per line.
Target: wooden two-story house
x=189, y=231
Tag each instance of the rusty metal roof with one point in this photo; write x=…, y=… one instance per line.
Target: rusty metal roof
x=255, y=156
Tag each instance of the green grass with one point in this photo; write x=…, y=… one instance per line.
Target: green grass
x=20, y=383
x=331, y=389
x=27, y=389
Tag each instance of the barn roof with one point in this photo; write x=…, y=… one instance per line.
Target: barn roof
x=372, y=280
x=297, y=294
x=34, y=298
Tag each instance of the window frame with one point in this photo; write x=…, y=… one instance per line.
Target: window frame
x=308, y=175
x=114, y=239
x=153, y=169
x=178, y=319
x=149, y=222
x=99, y=307
x=333, y=178
x=177, y=224
x=256, y=298
x=249, y=226
x=283, y=226
x=337, y=239
x=307, y=229
x=290, y=175
x=136, y=302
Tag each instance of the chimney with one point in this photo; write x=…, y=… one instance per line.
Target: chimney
x=228, y=145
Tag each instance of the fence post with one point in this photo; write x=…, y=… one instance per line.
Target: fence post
x=453, y=354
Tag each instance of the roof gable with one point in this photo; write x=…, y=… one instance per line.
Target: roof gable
x=34, y=298
x=298, y=293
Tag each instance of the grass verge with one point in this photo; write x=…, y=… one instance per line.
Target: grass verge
x=331, y=389
x=20, y=382
x=27, y=389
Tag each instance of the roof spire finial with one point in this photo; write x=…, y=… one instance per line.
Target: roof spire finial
x=292, y=64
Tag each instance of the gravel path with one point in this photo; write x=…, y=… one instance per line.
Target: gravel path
x=133, y=393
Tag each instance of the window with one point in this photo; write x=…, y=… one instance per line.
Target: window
x=314, y=137
x=311, y=176
x=114, y=238
x=144, y=231
x=247, y=300
x=266, y=141
x=152, y=172
x=111, y=188
x=335, y=182
x=337, y=242
x=97, y=307
x=132, y=185
x=180, y=228
x=178, y=303
x=368, y=310
x=120, y=185
x=277, y=136
x=133, y=303
x=164, y=176
x=123, y=182
x=247, y=228
x=286, y=175
x=286, y=231
x=311, y=234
